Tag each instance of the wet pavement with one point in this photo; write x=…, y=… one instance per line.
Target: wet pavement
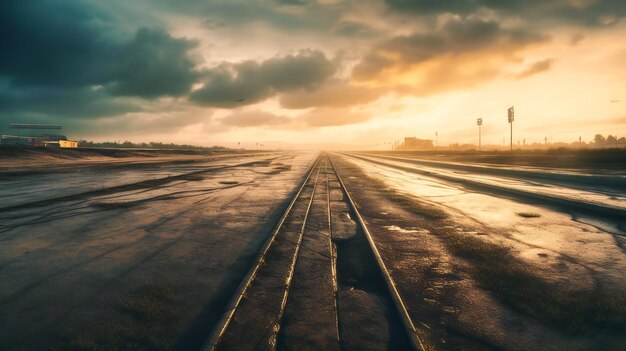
x=597, y=190
x=141, y=267
x=150, y=257
x=28, y=188
x=420, y=223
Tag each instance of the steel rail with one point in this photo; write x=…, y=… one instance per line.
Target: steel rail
x=224, y=322
x=407, y=322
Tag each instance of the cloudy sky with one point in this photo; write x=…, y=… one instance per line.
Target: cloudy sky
x=327, y=72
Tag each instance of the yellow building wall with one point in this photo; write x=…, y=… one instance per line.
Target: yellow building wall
x=68, y=143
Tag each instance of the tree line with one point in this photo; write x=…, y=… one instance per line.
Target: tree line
x=150, y=145
x=609, y=140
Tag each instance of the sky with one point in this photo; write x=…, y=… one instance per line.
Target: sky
x=315, y=73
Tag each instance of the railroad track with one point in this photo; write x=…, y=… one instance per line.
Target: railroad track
x=318, y=282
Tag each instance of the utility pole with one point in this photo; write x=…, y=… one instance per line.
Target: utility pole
x=436, y=139
x=511, y=115
x=479, y=122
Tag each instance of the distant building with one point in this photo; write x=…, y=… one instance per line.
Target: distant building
x=16, y=140
x=35, y=135
x=413, y=143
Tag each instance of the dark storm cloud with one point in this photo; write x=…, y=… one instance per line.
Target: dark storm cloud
x=154, y=64
x=70, y=103
x=64, y=44
x=432, y=6
x=592, y=12
x=353, y=29
x=84, y=61
x=248, y=82
x=292, y=2
x=55, y=43
x=243, y=12
x=304, y=17
x=455, y=37
x=67, y=58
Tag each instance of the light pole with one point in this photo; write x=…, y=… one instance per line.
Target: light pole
x=479, y=122
x=511, y=115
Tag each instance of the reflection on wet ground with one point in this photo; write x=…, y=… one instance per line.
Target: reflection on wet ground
x=480, y=271
x=601, y=191
x=146, y=257
x=530, y=228
x=24, y=189
x=180, y=245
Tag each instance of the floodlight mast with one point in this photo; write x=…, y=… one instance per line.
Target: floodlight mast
x=511, y=116
x=479, y=122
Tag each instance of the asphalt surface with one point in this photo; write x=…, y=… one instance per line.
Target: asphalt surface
x=416, y=212
x=149, y=257
x=85, y=270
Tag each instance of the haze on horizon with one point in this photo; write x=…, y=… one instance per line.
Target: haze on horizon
x=323, y=72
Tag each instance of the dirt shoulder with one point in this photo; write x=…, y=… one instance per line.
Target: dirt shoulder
x=15, y=161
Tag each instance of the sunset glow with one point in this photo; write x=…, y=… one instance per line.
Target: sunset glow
x=316, y=73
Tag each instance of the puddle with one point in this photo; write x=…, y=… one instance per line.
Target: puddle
x=113, y=205
x=229, y=182
x=398, y=229
x=529, y=214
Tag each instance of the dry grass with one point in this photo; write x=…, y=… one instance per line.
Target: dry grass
x=147, y=319
x=152, y=303
x=519, y=287
x=566, y=158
